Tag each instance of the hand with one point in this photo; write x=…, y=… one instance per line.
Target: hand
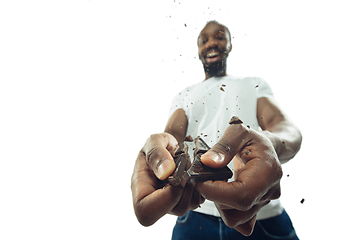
x=152, y=199
x=257, y=173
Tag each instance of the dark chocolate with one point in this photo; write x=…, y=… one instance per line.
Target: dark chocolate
x=188, y=139
x=181, y=158
x=183, y=148
x=200, y=147
x=181, y=162
x=198, y=172
x=235, y=120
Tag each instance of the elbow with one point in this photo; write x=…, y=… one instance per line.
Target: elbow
x=291, y=149
x=298, y=142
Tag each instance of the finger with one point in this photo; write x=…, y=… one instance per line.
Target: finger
x=253, y=182
x=150, y=201
x=234, y=217
x=196, y=200
x=159, y=150
x=155, y=205
x=190, y=200
x=184, y=203
x=235, y=138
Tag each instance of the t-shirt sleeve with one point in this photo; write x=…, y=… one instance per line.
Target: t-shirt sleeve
x=264, y=89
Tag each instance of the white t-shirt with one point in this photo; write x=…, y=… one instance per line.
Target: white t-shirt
x=209, y=105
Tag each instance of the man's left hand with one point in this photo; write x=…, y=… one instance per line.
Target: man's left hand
x=257, y=174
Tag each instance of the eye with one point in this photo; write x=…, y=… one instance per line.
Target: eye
x=220, y=37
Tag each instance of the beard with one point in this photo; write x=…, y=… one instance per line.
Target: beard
x=216, y=68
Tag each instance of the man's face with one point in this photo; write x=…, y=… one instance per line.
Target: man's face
x=214, y=47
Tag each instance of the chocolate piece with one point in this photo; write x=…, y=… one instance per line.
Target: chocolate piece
x=199, y=172
x=188, y=139
x=235, y=120
x=200, y=147
x=183, y=148
x=181, y=159
x=181, y=162
x=222, y=89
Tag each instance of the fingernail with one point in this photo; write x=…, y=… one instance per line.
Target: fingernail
x=214, y=156
x=165, y=169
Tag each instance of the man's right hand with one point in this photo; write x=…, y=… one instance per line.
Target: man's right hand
x=151, y=199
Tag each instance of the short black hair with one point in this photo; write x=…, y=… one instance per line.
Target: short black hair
x=214, y=21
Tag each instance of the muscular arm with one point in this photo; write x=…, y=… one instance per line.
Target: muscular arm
x=283, y=134
x=177, y=125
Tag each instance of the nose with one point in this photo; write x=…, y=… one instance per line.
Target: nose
x=211, y=43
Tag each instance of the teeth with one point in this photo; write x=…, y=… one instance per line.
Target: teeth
x=213, y=54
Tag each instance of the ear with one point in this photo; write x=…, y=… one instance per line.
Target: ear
x=230, y=47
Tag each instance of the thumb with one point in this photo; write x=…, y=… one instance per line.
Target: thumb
x=235, y=137
x=158, y=151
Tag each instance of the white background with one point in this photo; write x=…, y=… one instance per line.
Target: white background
x=84, y=83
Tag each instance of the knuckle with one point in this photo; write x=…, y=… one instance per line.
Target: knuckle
x=144, y=220
x=151, y=155
x=231, y=217
x=276, y=192
x=230, y=223
x=180, y=212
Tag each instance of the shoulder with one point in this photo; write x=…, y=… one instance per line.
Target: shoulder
x=254, y=85
x=256, y=81
x=188, y=89
x=248, y=81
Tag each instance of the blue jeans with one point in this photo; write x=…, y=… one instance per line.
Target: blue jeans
x=200, y=226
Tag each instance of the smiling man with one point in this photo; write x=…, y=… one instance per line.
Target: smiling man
x=248, y=204
x=214, y=58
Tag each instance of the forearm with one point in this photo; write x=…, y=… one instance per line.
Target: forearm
x=177, y=125
x=286, y=139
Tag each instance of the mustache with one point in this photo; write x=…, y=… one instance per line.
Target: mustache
x=220, y=50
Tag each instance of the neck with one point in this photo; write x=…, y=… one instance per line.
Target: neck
x=215, y=70
x=219, y=74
